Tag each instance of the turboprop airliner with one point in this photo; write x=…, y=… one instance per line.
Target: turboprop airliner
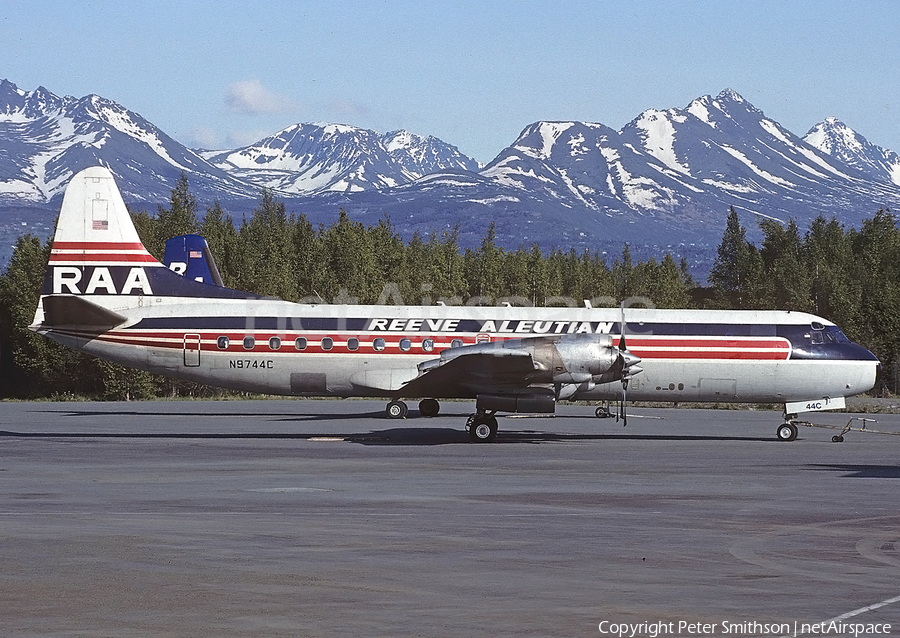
x=105, y=295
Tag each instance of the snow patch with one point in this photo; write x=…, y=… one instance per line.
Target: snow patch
x=550, y=132
x=659, y=139
x=764, y=174
x=773, y=130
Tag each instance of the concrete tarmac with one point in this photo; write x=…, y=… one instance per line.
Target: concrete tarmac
x=322, y=518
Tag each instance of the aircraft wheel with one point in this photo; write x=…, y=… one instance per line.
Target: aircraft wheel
x=484, y=429
x=396, y=410
x=837, y=438
x=602, y=412
x=429, y=407
x=786, y=432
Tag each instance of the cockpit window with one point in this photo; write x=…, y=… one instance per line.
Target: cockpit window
x=836, y=334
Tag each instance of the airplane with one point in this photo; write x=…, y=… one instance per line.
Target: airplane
x=105, y=295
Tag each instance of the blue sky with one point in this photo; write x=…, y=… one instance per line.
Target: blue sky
x=224, y=73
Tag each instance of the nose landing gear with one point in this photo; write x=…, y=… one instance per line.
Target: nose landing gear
x=787, y=431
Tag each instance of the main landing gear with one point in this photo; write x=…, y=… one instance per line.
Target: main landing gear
x=482, y=427
x=397, y=409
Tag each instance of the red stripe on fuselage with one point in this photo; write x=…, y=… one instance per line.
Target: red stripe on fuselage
x=751, y=349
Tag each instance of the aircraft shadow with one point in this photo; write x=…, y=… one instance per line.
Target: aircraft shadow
x=860, y=471
x=409, y=436
x=273, y=416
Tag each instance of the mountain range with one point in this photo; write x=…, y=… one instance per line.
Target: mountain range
x=665, y=181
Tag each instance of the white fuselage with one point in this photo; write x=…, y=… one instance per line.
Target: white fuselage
x=299, y=349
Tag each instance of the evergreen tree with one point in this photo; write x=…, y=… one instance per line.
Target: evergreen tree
x=221, y=235
x=623, y=275
x=265, y=250
x=446, y=270
x=669, y=288
x=309, y=264
x=389, y=252
x=730, y=270
x=349, y=261
x=876, y=249
x=483, y=268
x=787, y=275
x=179, y=219
x=32, y=365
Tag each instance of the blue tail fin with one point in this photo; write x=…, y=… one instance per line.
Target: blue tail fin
x=189, y=256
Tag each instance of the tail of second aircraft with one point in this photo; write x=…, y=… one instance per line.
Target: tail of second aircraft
x=190, y=256
x=98, y=267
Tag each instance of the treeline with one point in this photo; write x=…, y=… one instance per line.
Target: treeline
x=847, y=276
x=281, y=255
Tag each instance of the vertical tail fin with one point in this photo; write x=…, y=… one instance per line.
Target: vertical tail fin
x=189, y=256
x=94, y=226
x=98, y=267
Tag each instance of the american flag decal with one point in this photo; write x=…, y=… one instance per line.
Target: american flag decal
x=100, y=224
x=195, y=254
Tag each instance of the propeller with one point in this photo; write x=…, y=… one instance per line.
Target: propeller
x=629, y=367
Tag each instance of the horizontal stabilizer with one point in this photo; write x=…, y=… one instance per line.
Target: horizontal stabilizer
x=69, y=311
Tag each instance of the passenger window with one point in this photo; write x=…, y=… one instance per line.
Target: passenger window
x=222, y=343
x=428, y=345
x=327, y=343
x=353, y=343
x=405, y=345
x=300, y=343
x=378, y=344
x=274, y=343
x=249, y=342
x=456, y=343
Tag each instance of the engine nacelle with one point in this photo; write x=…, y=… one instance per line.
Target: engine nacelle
x=583, y=358
x=536, y=401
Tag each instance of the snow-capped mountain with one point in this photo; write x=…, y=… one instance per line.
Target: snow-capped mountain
x=46, y=139
x=687, y=166
x=849, y=147
x=426, y=155
x=306, y=159
x=666, y=178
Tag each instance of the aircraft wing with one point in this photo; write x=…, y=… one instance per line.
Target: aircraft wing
x=479, y=371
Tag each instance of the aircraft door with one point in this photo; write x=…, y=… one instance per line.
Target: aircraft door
x=191, y=351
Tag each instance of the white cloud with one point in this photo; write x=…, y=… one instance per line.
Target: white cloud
x=252, y=98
